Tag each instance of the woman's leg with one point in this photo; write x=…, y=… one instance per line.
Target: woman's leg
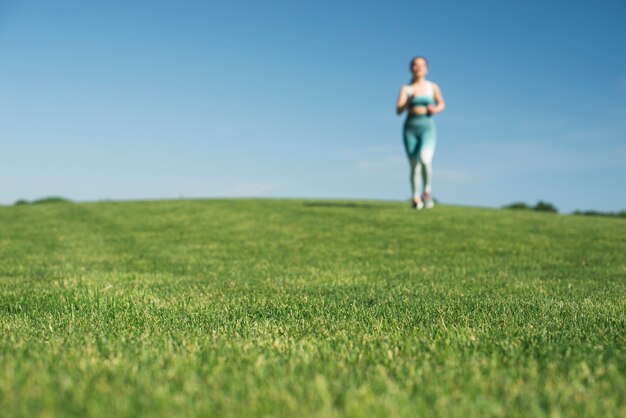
x=426, y=160
x=411, y=145
x=427, y=151
x=416, y=168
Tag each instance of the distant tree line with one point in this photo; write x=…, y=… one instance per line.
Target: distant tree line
x=620, y=214
x=45, y=200
x=541, y=206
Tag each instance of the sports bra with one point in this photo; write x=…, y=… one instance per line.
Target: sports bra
x=425, y=99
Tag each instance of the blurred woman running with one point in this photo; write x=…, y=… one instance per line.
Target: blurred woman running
x=421, y=99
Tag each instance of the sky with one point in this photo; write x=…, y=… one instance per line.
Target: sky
x=128, y=100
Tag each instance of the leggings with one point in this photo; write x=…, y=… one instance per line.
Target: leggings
x=420, y=138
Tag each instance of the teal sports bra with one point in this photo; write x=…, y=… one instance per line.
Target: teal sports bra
x=425, y=99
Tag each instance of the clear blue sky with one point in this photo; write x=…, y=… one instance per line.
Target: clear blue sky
x=166, y=99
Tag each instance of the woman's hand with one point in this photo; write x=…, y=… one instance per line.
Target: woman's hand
x=440, y=103
x=403, y=100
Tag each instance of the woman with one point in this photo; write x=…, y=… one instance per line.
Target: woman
x=421, y=99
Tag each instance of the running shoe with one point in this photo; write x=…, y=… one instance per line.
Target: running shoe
x=429, y=203
x=419, y=205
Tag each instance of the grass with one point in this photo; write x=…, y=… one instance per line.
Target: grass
x=232, y=308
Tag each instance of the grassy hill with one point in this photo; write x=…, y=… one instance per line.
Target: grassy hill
x=287, y=308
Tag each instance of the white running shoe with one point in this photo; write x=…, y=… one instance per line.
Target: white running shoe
x=429, y=203
x=419, y=205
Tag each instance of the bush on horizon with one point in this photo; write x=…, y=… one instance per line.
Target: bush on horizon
x=43, y=201
x=620, y=214
x=541, y=206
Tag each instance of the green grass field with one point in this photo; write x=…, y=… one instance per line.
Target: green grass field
x=288, y=308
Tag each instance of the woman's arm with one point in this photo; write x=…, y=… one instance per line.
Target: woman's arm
x=403, y=100
x=440, y=104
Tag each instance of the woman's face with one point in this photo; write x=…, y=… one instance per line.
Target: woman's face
x=420, y=67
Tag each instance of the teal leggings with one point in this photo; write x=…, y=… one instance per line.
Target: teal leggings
x=420, y=138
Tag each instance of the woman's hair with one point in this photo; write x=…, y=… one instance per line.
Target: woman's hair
x=413, y=60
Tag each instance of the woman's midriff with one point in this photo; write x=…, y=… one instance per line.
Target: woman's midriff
x=418, y=110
